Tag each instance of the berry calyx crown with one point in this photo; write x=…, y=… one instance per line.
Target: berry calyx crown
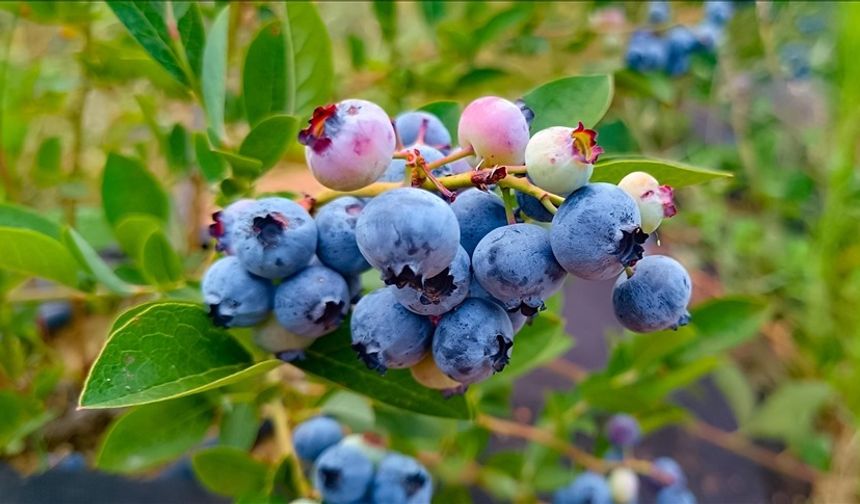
x=585, y=148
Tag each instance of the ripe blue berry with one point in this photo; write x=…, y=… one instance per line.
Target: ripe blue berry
x=224, y=223
x=680, y=42
x=441, y=293
x=658, y=12
x=336, y=246
x=473, y=341
x=316, y=435
x=655, y=297
x=518, y=320
x=673, y=495
x=418, y=127
x=623, y=431
x=515, y=264
x=587, y=488
x=402, y=480
x=560, y=160
x=669, y=467
x=708, y=35
x=235, y=297
x=313, y=302
x=396, y=171
x=646, y=52
x=348, y=144
x=387, y=335
x=274, y=237
x=478, y=213
x=496, y=129
x=718, y=12
x=409, y=235
x=596, y=232
x=532, y=208
x=343, y=474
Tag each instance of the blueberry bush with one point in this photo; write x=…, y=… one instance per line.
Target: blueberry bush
x=332, y=252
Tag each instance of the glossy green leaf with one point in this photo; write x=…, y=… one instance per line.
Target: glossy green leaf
x=736, y=389
x=133, y=231
x=190, y=25
x=230, y=471
x=33, y=253
x=667, y=172
x=722, y=324
x=350, y=409
x=147, y=358
x=242, y=166
x=386, y=16
x=214, y=74
x=21, y=416
x=310, y=68
x=93, y=263
x=177, y=148
x=212, y=166
x=145, y=22
x=48, y=162
x=129, y=188
x=789, y=412
x=269, y=139
x=332, y=358
x=154, y=434
x=264, y=83
x=448, y=112
x=433, y=11
x=239, y=425
x=565, y=102
x=13, y=216
x=159, y=262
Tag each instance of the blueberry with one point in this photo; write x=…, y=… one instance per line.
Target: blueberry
x=624, y=485
x=223, y=225
x=673, y=495
x=315, y=435
x=680, y=43
x=348, y=144
x=235, y=297
x=418, y=127
x=313, y=302
x=527, y=111
x=387, y=335
x=596, y=232
x=646, y=52
x=518, y=320
x=336, y=246
x=402, y=480
x=794, y=56
x=669, y=467
x=560, y=160
x=478, y=213
x=53, y=315
x=274, y=237
x=473, y=341
x=718, y=12
x=515, y=265
x=396, y=171
x=587, y=488
x=355, y=287
x=623, y=431
x=496, y=129
x=408, y=234
x=655, y=297
x=439, y=294
x=532, y=208
x=74, y=462
x=658, y=12
x=655, y=202
x=343, y=474
x=708, y=35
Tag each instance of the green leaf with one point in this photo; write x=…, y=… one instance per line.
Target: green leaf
x=269, y=139
x=433, y=11
x=230, y=471
x=214, y=74
x=242, y=166
x=12, y=216
x=386, y=16
x=310, y=67
x=285, y=480
x=48, y=163
x=93, y=263
x=190, y=25
x=212, y=166
x=153, y=434
x=145, y=22
x=502, y=23
x=129, y=188
x=350, y=409
x=32, y=253
x=147, y=358
x=652, y=85
x=448, y=112
x=159, y=262
x=240, y=425
x=567, y=101
x=332, y=358
x=736, y=389
x=19, y=413
x=722, y=324
x=789, y=413
x=177, y=148
x=667, y=172
x=264, y=80
x=133, y=231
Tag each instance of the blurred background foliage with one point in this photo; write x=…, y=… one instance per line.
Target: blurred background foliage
x=778, y=106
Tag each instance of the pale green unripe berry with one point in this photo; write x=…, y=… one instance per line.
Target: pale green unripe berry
x=560, y=160
x=274, y=338
x=624, y=485
x=655, y=201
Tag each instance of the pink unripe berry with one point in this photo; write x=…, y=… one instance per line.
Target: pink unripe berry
x=655, y=201
x=496, y=129
x=560, y=159
x=348, y=144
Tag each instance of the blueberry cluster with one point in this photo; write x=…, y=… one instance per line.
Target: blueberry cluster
x=621, y=485
x=649, y=51
x=354, y=468
x=463, y=273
